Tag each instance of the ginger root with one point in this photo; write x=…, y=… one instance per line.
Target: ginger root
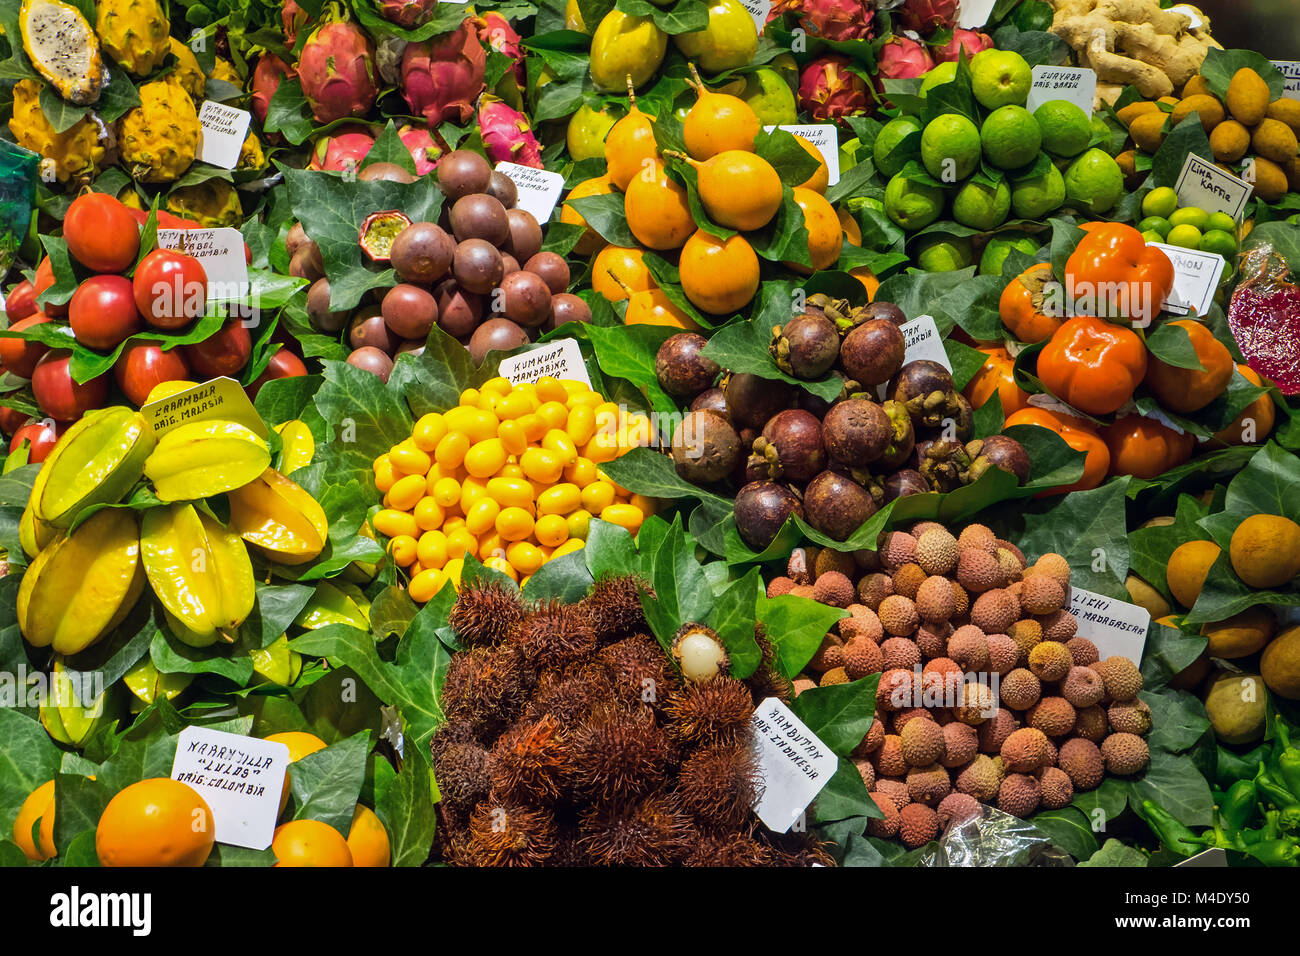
x=1133, y=42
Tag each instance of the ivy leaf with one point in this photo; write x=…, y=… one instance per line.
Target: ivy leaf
x=792, y=162
x=1187, y=137
x=365, y=419
x=1068, y=829
x=408, y=814
x=1173, y=781
x=644, y=471
x=1168, y=651
x=327, y=783
x=1084, y=527
x=628, y=352
x=732, y=618
x=1171, y=344
x=863, y=539
x=604, y=214
x=797, y=626
x=609, y=549
x=840, y=714
x=743, y=347
x=1116, y=853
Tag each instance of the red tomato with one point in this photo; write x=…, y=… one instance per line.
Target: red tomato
x=102, y=312
x=21, y=301
x=170, y=288
x=283, y=364
x=224, y=353
x=43, y=434
x=59, y=395
x=11, y=420
x=45, y=279
x=101, y=234
x=142, y=365
x=21, y=355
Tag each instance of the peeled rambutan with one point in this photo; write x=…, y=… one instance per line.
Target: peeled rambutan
x=507, y=834
x=717, y=711
x=528, y=760
x=554, y=635
x=639, y=670
x=485, y=613
x=719, y=784
x=614, y=605
x=617, y=754
x=654, y=832
x=486, y=687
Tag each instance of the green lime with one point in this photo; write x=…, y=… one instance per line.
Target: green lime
x=1190, y=216
x=1217, y=240
x=950, y=148
x=885, y=153
x=1000, y=78
x=944, y=253
x=1150, y=235
x=1160, y=202
x=1035, y=198
x=1221, y=221
x=1011, y=138
x=1155, y=224
x=912, y=206
x=999, y=247
x=941, y=74
x=980, y=206
x=1066, y=129
x=1187, y=236
x=1094, y=181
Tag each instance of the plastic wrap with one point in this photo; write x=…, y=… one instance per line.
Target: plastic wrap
x=17, y=196
x=1264, y=317
x=994, y=838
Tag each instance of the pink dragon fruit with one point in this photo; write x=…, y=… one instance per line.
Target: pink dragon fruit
x=837, y=19
x=926, y=16
x=497, y=32
x=969, y=40
x=506, y=134
x=337, y=69
x=292, y=19
x=903, y=59
x=425, y=151
x=343, y=150
x=268, y=73
x=828, y=89
x=406, y=13
x=442, y=77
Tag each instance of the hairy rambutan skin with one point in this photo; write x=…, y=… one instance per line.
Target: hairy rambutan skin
x=729, y=849
x=719, y=784
x=485, y=613
x=717, y=711
x=613, y=606
x=639, y=670
x=567, y=697
x=486, y=687
x=654, y=832
x=554, y=635
x=506, y=834
x=463, y=771
x=616, y=754
x=528, y=761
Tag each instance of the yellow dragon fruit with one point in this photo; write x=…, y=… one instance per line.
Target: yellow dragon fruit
x=159, y=138
x=224, y=71
x=251, y=154
x=63, y=49
x=187, y=70
x=76, y=153
x=134, y=32
x=213, y=202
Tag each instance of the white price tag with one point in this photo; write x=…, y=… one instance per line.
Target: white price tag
x=1196, y=279
x=975, y=14
x=539, y=190
x=559, y=359
x=922, y=340
x=1208, y=187
x=222, y=253
x=824, y=137
x=224, y=131
x=222, y=398
x=758, y=9
x=1291, y=71
x=1077, y=85
x=239, y=777
x=795, y=765
x=1119, y=629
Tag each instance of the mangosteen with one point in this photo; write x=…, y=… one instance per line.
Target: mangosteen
x=806, y=346
x=883, y=310
x=903, y=483
x=942, y=463
x=681, y=366
x=791, y=445
x=873, y=352
x=926, y=389
x=962, y=423
x=836, y=505
x=997, y=451
x=705, y=447
x=713, y=399
x=903, y=440
x=752, y=400
x=813, y=404
x=856, y=432
x=762, y=507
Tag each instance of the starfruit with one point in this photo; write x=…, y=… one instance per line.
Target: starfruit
x=205, y=458
x=200, y=572
x=279, y=518
x=60, y=44
x=146, y=683
x=297, y=449
x=96, y=461
x=83, y=584
x=73, y=711
x=276, y=663
x=335, y=602
x=34, y=535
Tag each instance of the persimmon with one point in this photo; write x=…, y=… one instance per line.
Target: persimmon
x=1255, y=422
x=1144, y=448
x=1078, y=434
x=1093, y=365
x=996, y=377
x=1025, y=305
x=1186, y=390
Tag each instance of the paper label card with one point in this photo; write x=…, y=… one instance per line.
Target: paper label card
x=559, y=359
x=1214, y=856
x=220, y=250
x=758, y=9
x=1119, y=629
x=824, y=137
x=239, y=777
x=1196, y=279
x=795, y=765
x=539, y=190
x=923, y=341
x=222, y=398
x=975, y=13
x=224, y=130
x=1208, y=187
x=1078, y=85
x=1291, y=71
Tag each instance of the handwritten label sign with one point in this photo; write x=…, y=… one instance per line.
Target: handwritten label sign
x=922, y=341
x=1078, y=85
x=239, y=777
x=1196, y=278
x=224, y=131
x=1208, y=187
x=559, y=359
x=795, y=764
x=1119, y=629
x=1291, y=73
x=975, y=14
x=758, y=9
x=222, y=253
x=222, y=398
x=539, y=190
x=824, y=137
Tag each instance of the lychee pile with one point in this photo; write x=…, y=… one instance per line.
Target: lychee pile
x=573, y=739
x=986, y=694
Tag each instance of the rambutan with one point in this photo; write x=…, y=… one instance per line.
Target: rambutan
x=507, y=834
x=729, y=850
x=639, y=670
x=719, y=784
x=554, y=635
x=528, y=760
x=486, y=687
x=463, y=771
x=654, y=832
x=613, y=606
x=485, y=613
x=617, y=754
x=718, y=711
x=567, y=698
